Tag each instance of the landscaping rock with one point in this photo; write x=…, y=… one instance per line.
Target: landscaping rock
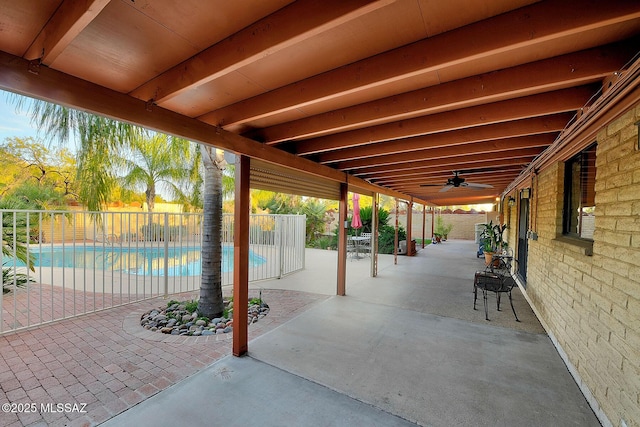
x=175, y=320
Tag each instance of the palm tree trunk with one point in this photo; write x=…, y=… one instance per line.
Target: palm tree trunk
x=152, y=234
x=211, y=304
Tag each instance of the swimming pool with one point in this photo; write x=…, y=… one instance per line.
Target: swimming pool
x=181, y=261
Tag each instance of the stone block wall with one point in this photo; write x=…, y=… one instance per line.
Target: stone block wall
x=589, y=296
x=463, y=224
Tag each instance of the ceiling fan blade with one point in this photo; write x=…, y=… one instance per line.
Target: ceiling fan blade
x=477, y=185
x=446, y=188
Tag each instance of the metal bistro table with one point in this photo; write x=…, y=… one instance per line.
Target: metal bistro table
x=357, y=242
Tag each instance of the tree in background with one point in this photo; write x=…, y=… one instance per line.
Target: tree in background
x=99, y=138
x=287, y=204
x=154, y=160
x=366, y=217
x=37, y=176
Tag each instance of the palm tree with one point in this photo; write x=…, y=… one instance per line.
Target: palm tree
x=158, y=160
x=99, y=137
x=210, y=303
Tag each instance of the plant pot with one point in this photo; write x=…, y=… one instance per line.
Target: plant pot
x=487, y=257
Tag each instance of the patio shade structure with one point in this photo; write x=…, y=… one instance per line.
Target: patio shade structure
x=389, y=95
x=319, y=98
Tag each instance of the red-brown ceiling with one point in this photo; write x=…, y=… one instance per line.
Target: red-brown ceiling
x=398, y=93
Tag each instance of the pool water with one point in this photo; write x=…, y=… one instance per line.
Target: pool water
x=140, y=261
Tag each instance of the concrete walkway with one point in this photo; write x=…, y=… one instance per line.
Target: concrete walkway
x=403, y=348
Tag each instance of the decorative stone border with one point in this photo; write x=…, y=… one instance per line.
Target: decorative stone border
x=131, y=325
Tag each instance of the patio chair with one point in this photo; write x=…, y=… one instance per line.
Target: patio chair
x=365, y=245
x=351, y=248
x=497, y=277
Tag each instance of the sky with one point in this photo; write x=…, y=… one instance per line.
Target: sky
x=13, y=124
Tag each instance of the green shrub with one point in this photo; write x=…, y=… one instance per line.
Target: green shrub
x=386, y=240
x=11, y=277
x=191, y=306
x=323, y=242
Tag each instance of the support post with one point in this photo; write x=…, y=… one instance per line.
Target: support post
x=395, y=238
x=166, y=254
x=374, y=235
x=342, y=240
x=433, y=218
x=409, y=227
x=424, y=223
x=241, y=257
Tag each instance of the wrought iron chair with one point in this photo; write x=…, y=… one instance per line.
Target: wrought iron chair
x=351, y=248
x=497, y=277
x=365, y=245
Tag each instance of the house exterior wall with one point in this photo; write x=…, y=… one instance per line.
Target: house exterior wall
x=590, y=303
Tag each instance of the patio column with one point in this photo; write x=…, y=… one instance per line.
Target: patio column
x=374, y=235
x=342, y=240
x=241, y=256
x=424, y=223
x=395, y=238
x=433, y=218
x=409, y=226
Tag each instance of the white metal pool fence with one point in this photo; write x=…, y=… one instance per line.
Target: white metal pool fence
x=80, y=262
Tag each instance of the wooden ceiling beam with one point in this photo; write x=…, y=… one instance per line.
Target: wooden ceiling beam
x=518, y=29
x=497, y=180
x=548, y=103
x=513, y=129
x=430, y=177
x=461, y=163
x=543, y=140
x=290, y=25
x=546, y=75
x=430, y=193
x=53, y=86
x=522, y=154
x=64, y=26
x=468, y=199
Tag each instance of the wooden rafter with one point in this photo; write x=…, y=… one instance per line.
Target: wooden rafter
x=66, y=23
x=507, y=158
x=543, y=140
x=546, y=75
x=286, y=27
x=498, y=112
x=518, y=29
x=513, y=129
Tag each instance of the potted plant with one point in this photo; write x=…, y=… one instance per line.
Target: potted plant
x=492, y=240
x=442, y=230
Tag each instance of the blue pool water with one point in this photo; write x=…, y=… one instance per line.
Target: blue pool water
x=141, y=261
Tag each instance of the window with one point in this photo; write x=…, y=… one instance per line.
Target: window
x=579, y=194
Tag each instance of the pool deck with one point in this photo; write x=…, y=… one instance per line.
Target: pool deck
x=405, y=348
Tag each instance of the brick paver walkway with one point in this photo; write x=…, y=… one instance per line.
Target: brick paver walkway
x=108, y=362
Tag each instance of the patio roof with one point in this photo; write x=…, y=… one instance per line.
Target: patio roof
x=388, y=96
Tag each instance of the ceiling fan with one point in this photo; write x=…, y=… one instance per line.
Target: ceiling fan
x=456, y=182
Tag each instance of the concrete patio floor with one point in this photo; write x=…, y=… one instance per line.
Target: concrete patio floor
x=404, y=348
